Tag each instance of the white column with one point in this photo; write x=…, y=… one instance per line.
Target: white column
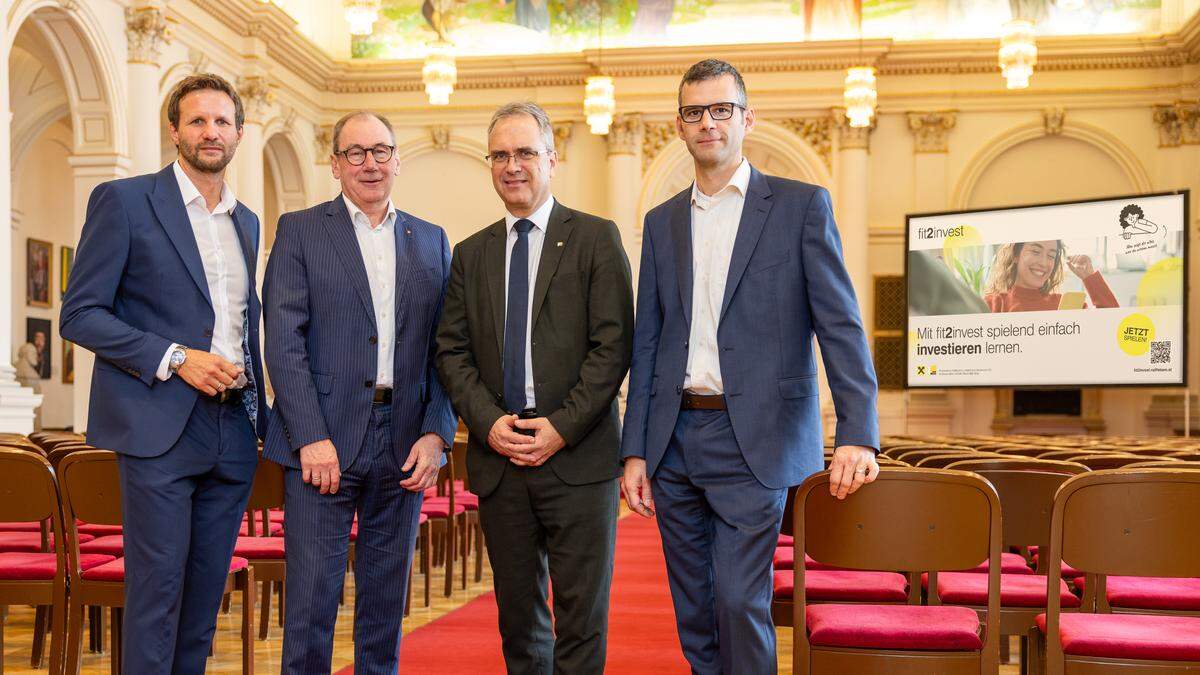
x=88, y=171
x=249, y=175
x=145, y=30
x=17, y=403
x=625, y=181
x=853, y=181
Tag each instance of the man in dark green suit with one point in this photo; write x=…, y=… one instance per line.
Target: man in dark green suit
x=534, y=341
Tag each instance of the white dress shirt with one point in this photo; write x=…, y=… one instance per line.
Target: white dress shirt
x=224, y=271
x=378, y=247
x=715, y=221
x=537, y=234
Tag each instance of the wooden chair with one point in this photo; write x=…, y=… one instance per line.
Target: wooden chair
x=1123, y=522
x=909, y=520
x=915, y=456
x=266, y=554
x=473, y=533
x=91, y=490
x=1107, y=461
x=942, y=460
x=1162, y=463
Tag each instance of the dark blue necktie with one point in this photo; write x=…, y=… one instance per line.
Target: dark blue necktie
x=515, y=319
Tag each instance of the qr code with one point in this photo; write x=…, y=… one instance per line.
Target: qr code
x=1160, y=351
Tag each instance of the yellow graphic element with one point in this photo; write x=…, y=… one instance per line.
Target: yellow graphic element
x=1135, y=334
x=933, y=370
x=961, y=244
x=1162, y=284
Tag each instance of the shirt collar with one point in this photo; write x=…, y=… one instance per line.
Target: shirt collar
x=739, y=181
x=539, y=218
x=190, y=194
x=388, y=221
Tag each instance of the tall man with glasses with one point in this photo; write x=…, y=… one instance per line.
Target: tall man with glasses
x=533, y=346
x=738, y=273
x=163, y=292
x=352, y=296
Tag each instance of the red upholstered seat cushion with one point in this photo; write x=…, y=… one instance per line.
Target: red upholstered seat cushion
x=785, y=557
x=96, y=530
x=422, y=519
x=259, y=548
x=844, y=586
x=21, y=527
x=40, y=566
x=115, y=570
x=275, y=529
x=786, y=540
x=1010, y=563
x=1181, y=594
x=113, y=544
x=1016, y=590
x=28, y=542
x=275, y=515
x=440, y=507
x=1129, y=636
x=469, y=500
x=1068, y=572
x=937, y=628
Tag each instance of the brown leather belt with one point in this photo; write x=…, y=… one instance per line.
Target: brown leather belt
x=382, y=395
x=226, y=395
x=692, y=401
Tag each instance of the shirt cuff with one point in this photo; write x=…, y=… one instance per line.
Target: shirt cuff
x=164, y=367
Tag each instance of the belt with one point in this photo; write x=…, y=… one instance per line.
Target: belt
x=692, y=401
x=226, y=395
x=382, y=395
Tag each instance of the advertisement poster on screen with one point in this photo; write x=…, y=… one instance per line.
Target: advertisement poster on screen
x=1071, y=294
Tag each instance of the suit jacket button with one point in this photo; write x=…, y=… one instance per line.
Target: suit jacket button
x=679, y=390
x=208, y=332
x=372, y=339
x=369, y=384
x=685, y=345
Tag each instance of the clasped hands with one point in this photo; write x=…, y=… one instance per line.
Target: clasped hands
x=521, y=449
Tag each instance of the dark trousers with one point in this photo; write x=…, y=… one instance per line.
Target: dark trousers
x=539, y=528
x=719, y=527
x=318, y=540
x=182, y=511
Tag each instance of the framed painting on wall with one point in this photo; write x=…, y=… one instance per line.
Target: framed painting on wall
x=37, y=333
x=68, y=361
x=66, y=260
x=37, y=272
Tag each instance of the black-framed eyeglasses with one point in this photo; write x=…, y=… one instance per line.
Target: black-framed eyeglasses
x=356, y=155
x=523, y=156
x=718, y=111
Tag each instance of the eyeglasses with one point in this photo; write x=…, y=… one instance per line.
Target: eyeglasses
x=523, y=156
x=718, y=111
x=357, y=155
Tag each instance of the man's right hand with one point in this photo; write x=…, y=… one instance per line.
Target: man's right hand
x=636, y=486
x=505, y=439
x=319, y=466
x=208, y=372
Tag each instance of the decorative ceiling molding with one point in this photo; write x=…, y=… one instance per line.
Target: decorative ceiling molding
x=288, y=47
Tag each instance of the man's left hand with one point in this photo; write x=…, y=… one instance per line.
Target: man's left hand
x=852, y=467
x=425, y=459
x=546, y=442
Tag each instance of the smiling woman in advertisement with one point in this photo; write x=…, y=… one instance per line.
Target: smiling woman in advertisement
x=1026, y=277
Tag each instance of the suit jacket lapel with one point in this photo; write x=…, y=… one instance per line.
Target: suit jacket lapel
x=167, y=202
x=406, y=265
x=341, y=233
x=681, y=235
x=242, y=224
x=493, y=261
x=558, y=231
x=754, y=217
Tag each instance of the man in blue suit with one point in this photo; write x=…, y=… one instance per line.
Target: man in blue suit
x=738, y=272
x=163, y=293
x=352, y=297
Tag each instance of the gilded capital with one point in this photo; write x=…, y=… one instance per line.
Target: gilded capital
x=1170, y=130
x=439, y=135
x=852, y=138
x=146, y=31
x=562, y=136
x=817, y=132
x=655, y=137
x=1052, y=120
x=257, y=97
x=625, y=135
x=931, y=130
x=323, y=140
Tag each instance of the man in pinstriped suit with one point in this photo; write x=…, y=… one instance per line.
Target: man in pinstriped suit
x=352, y=296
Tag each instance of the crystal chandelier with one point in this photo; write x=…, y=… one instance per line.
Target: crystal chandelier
x=859, y=95
x=361, y=15
x=599, y=104
x=1018, y=53
x=439, y=73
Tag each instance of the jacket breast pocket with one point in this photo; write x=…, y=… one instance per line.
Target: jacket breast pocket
x=775, y=260
x=798, y=387
x=323, y=382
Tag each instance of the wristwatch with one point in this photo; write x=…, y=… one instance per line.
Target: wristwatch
x=178, y=356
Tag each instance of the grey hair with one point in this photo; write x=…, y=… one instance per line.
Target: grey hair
x=526, y=108
x=711, y=69
x=337, y=128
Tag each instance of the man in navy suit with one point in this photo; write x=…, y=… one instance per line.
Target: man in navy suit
x=163, y=293
x=352, y=297
x=738, y=272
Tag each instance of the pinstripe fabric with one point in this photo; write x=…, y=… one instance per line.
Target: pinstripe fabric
x=321, y=355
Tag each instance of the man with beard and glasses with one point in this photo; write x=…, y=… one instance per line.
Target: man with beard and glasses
x=163, y=293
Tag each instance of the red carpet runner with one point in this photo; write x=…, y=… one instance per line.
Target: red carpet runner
x=641, y=636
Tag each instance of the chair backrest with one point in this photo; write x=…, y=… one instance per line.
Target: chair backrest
x=1108, y=460
x=1154, y=451
x=267, y=490
x=899, y=451
x=916, y=455
x=458, y=455
x=1022, y=450
x=28, y=491
x=91, y=487
x=942, y=460
x=1163, y=463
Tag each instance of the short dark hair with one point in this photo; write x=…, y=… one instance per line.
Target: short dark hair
x=1131, y=209
x=337, y=128
x=711, y=69
x=198, y=83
